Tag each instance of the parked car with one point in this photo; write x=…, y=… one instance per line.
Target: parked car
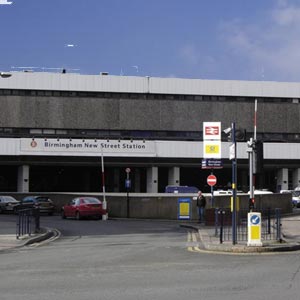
x=83, y=207
x=261, y=192
x=296, y=198
x=44, y=204
x=181, y=189
x=8, y=204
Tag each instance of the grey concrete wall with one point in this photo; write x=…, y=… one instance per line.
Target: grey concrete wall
x=162, y=206
x=142, y=114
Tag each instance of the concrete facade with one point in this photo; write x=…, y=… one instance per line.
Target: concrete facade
x=166, y=111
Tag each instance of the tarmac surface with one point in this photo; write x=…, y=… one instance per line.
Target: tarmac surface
x=204, y=238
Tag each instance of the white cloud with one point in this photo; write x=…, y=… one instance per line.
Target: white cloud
x=271, y=42
x=4, y=2
x=189, y=54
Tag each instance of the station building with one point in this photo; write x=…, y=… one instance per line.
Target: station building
x=55, y=127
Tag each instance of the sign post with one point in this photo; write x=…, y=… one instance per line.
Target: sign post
x=184, y=209
x=211, y=181
x=254, y=229
x=211, y=152
x=127, y=186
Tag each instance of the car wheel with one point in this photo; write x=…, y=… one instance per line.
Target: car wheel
x=15, y=211
x=63, y=216
x=77, y=216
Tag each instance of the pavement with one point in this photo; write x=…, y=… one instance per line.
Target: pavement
x=203, y=238
x=9, y=241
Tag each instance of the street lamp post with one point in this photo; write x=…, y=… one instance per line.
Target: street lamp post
x=231, y=132
x=234, y=182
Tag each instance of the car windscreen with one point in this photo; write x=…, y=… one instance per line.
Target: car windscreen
x=9, y=199
x=91, y=201
x=43, y=199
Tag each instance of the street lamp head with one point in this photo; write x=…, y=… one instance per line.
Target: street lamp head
x=5, y=74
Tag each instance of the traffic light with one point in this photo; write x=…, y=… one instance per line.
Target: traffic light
x=258, y=157
x=241, y=135
x=251, y=203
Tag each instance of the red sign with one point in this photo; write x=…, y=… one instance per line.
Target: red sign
x=127, y=170
x=211, y=130
x=211, y=180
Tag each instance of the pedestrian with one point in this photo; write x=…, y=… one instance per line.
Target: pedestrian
x=201, y=203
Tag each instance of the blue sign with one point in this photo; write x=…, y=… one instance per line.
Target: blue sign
x=127, y=183
x=211, y=164
x=255, y=220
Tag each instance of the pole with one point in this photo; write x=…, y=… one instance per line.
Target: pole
x=234, y=183
x=251, y=172
x=104, y=203
x=212, y=191
x=254, y=138
x=127, y=188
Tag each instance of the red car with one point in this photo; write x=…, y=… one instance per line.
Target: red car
x=83, y=207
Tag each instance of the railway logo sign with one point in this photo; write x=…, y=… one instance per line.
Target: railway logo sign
x=212, y=131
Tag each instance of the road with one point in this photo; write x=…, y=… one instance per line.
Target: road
x=119, y=259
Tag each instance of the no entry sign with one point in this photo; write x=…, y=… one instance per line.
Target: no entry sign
x=211, y=180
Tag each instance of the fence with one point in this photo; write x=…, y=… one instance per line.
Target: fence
x=28, y=222
x=270, y=224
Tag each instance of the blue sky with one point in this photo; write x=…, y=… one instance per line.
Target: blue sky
x=208, y=39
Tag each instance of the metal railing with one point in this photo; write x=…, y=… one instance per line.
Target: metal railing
x=28, y=222
x=270, y=224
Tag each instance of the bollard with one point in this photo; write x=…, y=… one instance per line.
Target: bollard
x=222, y=212
x=36, y=213
x=104, y=208
x=216, y=221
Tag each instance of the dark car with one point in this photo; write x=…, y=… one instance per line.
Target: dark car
x=83, y=207
x=8, y=204
x=44, y=204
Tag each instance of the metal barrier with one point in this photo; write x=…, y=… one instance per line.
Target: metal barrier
x=270, y=225
x=28, y=222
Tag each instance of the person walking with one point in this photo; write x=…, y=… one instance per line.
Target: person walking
x=201, y=203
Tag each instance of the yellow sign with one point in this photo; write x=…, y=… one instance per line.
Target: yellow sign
x=212, y=149
x=184, y=208
x=255, y=233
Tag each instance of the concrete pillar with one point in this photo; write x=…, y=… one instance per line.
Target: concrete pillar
x=116, y=176
x=152, y=180
x=23, y=179
x=174, y=176
x=282, y=179
x=137, y=180
x=296, y=178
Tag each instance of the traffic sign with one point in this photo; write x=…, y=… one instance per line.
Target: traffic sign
x=211, y=164
x=211, y=180
x=127, y=170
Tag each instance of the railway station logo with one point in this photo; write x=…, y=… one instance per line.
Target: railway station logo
x=212, y=130
x=33, y=144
